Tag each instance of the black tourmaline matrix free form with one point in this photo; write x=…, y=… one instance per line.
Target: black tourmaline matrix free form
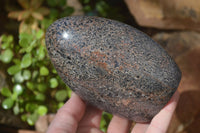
x=113, y=66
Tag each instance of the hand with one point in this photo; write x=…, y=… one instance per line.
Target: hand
x=75, y=117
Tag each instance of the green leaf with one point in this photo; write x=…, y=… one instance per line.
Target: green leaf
x=5, y=45
x=10, y=38
x=105, y=120
x=21, y=110
x=53, y=14
x=7, y=56
x=31, y=119
x=108, y=116
x=28, y=49
x=52, y=3
x=62, y=3
x=24, y=117
x=54, y=71
x=30, y=107
x=16, y=60
x=26, y=60
x=21, y=101
x=39, y=34
x=102, y=8
x=18, y=89
x=47, y=22
x=24, y=43
x=25, y=39
x=102, y=125
x=13, y=69
x=18, y=78
x=41, y=53
x=42, y=87
x=42, y=110
x=35, y=74
x=16, y=109
x=69, y=91
x=60, y=104
x=14, y=96
x=30, y=85
x=6, y=92
x=26, y=74
x=87, y=8
x=40, y=97
x=44, y=71
x=68, y=11
x=3, y=38
x=53, y=82
x=7, y=103
x=61, y=95
x=6, y=41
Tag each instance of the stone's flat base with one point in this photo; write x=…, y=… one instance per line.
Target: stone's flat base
x=113, y=66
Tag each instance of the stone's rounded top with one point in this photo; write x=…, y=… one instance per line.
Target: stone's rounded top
x=112, y=65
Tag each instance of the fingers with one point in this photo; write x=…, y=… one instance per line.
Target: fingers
x=67, y=117
x=91, y=121
x=160, y=122
x=140, y=128
x=119, y=125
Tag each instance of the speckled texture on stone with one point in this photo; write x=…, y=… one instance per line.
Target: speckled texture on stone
x=113, y=66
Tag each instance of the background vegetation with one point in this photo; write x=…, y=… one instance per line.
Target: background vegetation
x=33, y=87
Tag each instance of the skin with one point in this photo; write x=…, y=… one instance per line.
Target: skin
x=77, y=117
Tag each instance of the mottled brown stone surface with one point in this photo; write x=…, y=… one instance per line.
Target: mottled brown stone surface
x=113, y=66
x=166, y=14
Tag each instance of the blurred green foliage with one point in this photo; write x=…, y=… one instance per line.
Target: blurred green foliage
x=34, y=82
x=34, y=87
x=104, y=8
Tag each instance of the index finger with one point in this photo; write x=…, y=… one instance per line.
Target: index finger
x=68, y=117
x=160, y=122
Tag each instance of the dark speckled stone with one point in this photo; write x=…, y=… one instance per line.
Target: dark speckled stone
x=113, y=66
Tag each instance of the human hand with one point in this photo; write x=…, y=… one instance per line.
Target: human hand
x=75, y=117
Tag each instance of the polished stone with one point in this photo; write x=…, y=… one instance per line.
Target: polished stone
x=113, y=66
